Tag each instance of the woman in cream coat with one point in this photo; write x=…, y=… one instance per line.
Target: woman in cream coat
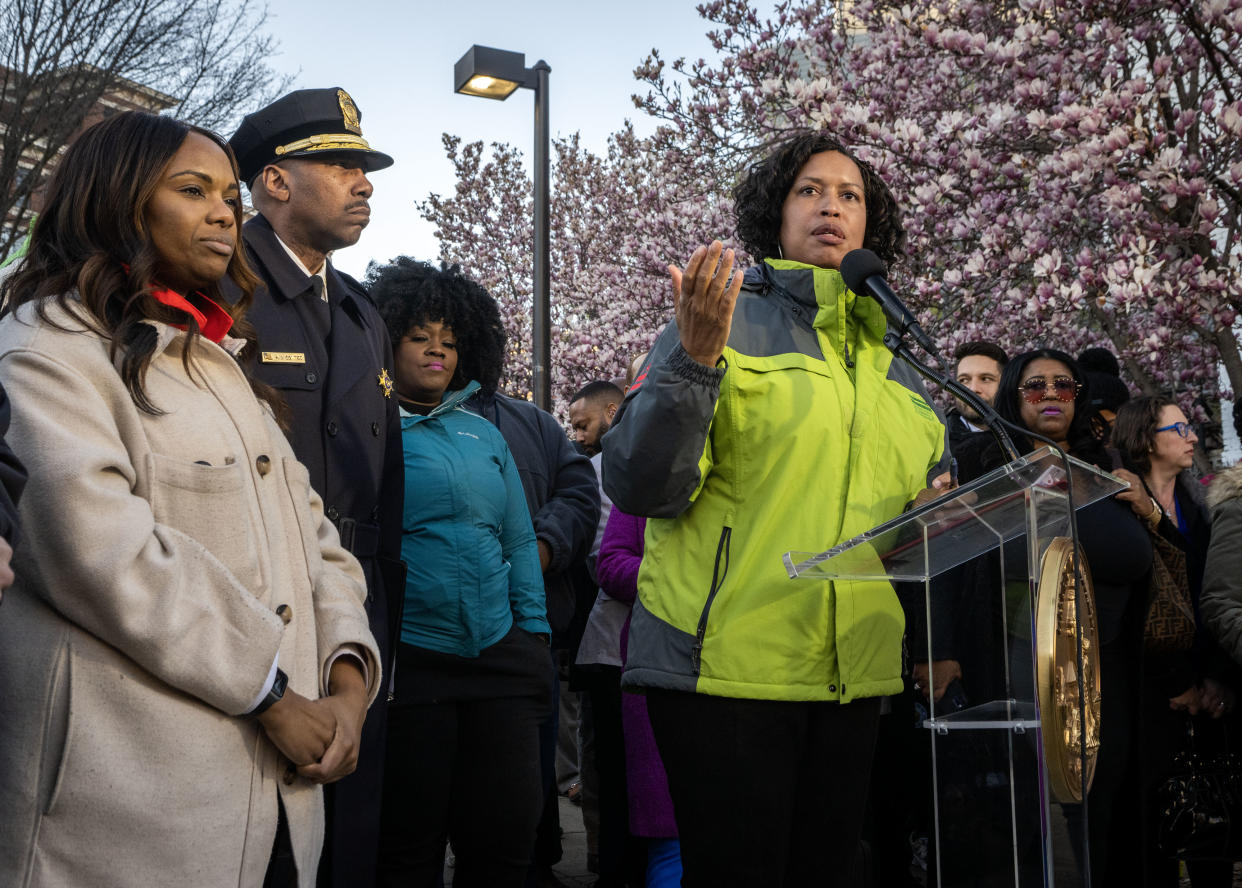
x=176, y=566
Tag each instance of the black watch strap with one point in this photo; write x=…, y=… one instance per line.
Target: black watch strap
x=277, y=691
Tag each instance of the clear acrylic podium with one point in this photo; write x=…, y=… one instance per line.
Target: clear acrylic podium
x=993, y=556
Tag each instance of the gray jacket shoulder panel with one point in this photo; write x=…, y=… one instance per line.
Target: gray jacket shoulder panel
x=761, y=326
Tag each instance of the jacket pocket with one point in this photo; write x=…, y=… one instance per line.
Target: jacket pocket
x=719, y=571
x=210, y=505
x=56, y=732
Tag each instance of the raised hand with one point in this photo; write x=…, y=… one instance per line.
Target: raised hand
x=703, y=299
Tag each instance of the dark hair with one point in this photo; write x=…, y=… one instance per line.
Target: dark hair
x=598, y=393
x=91, y=237
x=1098, y=359
x=980, y=347
x=1082, y=440
x=759, y=199
x=409, y=293
x=1108, y=392
x=1134, y=430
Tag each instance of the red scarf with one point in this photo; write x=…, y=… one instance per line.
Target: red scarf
x=213, y=321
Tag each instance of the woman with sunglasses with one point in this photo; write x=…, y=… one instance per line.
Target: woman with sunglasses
x=1046, y=393
x=1181, y=671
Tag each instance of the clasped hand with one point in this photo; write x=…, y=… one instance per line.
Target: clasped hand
x=321, y=737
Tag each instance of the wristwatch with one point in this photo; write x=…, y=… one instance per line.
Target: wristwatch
x=277, y=691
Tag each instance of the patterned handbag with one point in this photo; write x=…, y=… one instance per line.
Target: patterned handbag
x=1170, y=616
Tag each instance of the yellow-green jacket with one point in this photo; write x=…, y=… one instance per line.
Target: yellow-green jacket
x=806, y=434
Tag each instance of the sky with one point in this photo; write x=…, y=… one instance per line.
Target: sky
x=396, y=60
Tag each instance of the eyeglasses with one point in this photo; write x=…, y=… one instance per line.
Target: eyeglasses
x=1183, y=429
x=1064, y=388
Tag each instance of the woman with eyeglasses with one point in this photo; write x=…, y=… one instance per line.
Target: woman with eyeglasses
x=1181, y=671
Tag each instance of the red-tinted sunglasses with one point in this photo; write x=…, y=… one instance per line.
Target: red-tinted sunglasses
x=1064, y=388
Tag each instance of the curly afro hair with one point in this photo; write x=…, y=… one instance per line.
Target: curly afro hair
x=760, y=197
x=409, y=292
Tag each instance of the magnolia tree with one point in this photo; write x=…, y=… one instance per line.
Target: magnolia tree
x=1071, y=174
x=615, y=230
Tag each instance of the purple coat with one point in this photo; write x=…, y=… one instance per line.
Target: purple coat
x=651, y=808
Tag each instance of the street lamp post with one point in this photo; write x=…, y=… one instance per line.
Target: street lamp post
x=497, y=74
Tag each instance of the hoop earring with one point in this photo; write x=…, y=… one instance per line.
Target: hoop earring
x=780, y=254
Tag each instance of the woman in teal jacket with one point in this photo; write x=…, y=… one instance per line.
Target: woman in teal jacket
x=770, y=417
x=472, y=676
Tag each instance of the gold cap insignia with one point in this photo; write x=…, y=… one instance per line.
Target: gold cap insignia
x=349, y=111
x=385, y=382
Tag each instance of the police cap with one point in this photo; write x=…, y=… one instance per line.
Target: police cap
x=304, y=123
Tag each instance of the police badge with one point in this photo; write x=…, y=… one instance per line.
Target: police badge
x=349, y=112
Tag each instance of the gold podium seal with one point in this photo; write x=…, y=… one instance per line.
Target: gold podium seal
x=1058, y=677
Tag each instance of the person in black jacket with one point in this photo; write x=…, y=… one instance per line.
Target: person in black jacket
x=563, y=497
x=324, y=347
x=12, y=480
x=978, y=366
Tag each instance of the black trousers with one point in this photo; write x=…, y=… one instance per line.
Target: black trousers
x=468, y=772
x=621, y=859
x=765, y=793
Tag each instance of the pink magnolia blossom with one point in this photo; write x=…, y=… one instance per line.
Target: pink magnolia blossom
x=1070, y=175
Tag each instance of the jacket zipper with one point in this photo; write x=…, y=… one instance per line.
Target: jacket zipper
x=719, y=571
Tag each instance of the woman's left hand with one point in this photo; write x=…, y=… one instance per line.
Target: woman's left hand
x=348, y=703
x=940, y=485
x=1216, y=699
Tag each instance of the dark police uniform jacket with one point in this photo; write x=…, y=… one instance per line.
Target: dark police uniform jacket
x=345, y=427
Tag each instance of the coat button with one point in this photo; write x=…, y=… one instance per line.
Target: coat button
x=832, y=688
x=285, y=613
x=263, y=464
x=312, y=377
x=333, y=513
x=333, y=428
x=375, y=429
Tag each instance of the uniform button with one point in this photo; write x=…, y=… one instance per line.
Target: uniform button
x=375, y=429
x=263, y=464
x=333, y=513
x=333, y=428
x=285, y=613
x=312, y=377
x=832, y=688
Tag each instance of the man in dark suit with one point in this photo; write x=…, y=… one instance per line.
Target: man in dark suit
x=324, y=347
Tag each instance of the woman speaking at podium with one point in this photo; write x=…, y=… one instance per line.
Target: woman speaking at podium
x=770, y=417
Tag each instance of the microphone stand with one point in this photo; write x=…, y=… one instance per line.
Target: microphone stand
x=996, y=425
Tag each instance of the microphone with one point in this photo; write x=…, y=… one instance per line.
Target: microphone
x=864, y=273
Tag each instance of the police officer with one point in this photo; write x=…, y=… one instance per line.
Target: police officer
x=324, y=347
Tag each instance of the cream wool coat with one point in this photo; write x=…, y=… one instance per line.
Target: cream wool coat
x=143, y=621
